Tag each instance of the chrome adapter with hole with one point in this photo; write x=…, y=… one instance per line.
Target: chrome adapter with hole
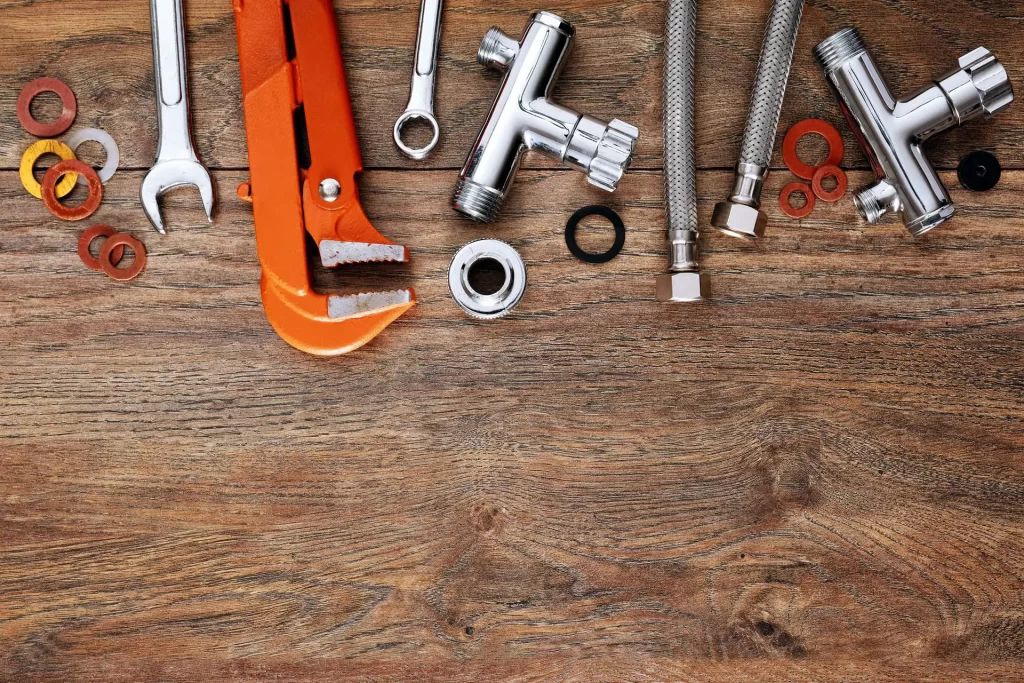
x=487, y=279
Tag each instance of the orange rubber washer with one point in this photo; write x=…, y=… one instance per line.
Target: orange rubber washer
x=842, y=182
x=76, y=213
x=812, y=127
x=107, y=254
x=91, y=235
x=788, y=208
x=67, y=116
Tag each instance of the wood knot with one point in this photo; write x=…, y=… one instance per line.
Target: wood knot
x=487, y=519
x=780, y=639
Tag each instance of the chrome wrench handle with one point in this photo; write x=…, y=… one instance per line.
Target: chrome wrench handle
x=170, y=68
x=424, y=79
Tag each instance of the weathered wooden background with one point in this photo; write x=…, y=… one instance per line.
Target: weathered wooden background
x=815, y=477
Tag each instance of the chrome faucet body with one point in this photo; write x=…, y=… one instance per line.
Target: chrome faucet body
x=893, y=132
x=525, y=117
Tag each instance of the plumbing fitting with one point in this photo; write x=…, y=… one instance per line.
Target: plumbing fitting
x=524, y=117
x=741, y=215
x=683, y=282
x=893, y=132
x=487, y=305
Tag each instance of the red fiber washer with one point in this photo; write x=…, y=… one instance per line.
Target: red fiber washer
x=91, y=235
x=809, y=127
x=67, y=117
x=842, y=182
x=788, y=208
x=120, y=241
x=76, y=213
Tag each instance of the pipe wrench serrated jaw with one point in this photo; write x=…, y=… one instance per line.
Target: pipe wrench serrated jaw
x=289, y=200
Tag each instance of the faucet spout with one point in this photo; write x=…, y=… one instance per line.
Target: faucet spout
x=525, y=117
x=893, y=132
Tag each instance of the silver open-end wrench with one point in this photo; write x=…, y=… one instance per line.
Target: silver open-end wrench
x=176, y=161
x=424, y=79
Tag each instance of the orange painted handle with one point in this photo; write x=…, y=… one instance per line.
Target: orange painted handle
x=285, y=197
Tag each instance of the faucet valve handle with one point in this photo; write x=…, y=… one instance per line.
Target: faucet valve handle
x=981, y=87
x=613, y=156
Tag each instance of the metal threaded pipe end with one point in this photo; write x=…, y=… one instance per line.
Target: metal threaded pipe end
x=476, y=201
x=835, y=51
x=868, y=206
x=493, y=50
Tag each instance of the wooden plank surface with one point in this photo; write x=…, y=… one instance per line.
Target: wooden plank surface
x=815, y=477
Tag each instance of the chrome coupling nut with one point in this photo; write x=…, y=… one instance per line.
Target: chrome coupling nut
x=893, y=132
x=523, y=117
x=499, y=300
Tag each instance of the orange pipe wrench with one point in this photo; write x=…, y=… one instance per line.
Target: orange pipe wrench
x=290, y=60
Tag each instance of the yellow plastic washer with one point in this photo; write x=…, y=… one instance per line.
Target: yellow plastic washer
x=28, y=163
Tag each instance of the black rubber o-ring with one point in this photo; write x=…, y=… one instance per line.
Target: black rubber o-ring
x=604, y=212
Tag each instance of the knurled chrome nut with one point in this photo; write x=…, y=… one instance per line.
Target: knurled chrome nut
x=614, y=155
x=682, y=287
x=739, y=220
x=990, y=78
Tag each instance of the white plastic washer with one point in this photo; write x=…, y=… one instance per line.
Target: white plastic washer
x=75, y=140
x=487, y=306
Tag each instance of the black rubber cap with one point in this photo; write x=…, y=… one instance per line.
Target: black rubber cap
x=574, y=223
x=979, y=171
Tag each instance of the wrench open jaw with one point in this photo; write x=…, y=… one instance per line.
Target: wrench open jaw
x=169, y=174
x=294, y=86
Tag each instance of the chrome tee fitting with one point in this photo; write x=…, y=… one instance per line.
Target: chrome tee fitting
x=524, y=117
x=893, y=133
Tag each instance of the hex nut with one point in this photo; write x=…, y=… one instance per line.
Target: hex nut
x=682, y=287
x=739, y=220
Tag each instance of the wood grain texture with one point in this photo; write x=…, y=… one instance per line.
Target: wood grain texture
x=818, y=476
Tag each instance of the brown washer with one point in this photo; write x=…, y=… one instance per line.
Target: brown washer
x=67, y=117
x=842, y=182
x=74, y=213
x=107, y=254
x=91, y=235
x=788, y=208
x=826, y=130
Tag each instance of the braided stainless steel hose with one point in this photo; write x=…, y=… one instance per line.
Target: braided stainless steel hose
x=683, y=282
x=741, y=216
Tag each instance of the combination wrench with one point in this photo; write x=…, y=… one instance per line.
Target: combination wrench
x=176, y=161
x=424, y=79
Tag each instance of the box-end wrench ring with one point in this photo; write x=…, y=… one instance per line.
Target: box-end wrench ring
x=424, y=79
